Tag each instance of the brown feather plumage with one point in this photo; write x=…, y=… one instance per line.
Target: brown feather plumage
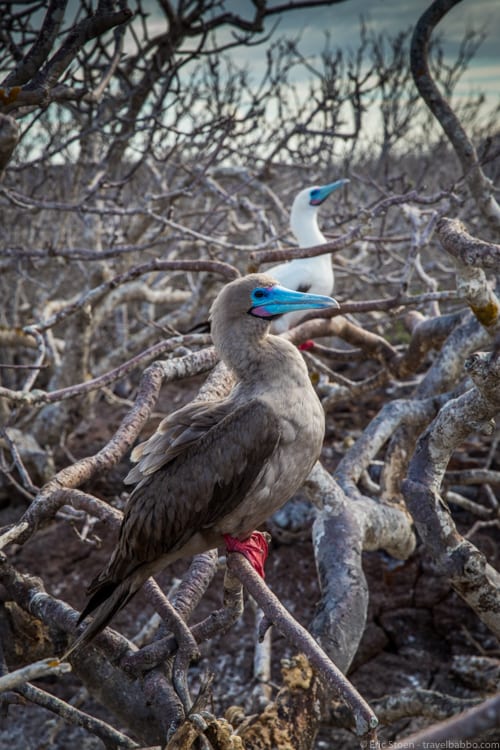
x=215, y=468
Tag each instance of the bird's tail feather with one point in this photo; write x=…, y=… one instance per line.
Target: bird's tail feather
x=102, y=593
x=108, y=599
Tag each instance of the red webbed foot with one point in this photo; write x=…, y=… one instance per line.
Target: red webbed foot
x=306, y=346
x=255, y=549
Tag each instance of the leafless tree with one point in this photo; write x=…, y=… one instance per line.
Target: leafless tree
x=142, y=169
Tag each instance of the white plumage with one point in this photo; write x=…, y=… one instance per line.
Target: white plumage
x=314, y=275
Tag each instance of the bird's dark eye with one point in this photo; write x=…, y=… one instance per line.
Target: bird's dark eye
x=259, y=293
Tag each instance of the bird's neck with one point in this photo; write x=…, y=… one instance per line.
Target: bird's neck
x=307, y=232
x=260, y=359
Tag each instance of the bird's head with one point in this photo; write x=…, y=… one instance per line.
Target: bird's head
x=307, y=201
x=246, y=306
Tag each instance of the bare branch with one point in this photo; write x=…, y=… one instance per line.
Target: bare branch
x=74, y=716
x=469, y=250
x=469, y=573
x=9, y=138
x=468, y=725
x=32, y=672
x=471, y=256
x=34, y=58
x=479, y=185
x=42, y=89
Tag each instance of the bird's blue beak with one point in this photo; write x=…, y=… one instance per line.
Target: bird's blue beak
x=319, y=194
x=271, y=301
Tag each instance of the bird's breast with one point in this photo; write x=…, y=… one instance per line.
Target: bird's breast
x=299, y=447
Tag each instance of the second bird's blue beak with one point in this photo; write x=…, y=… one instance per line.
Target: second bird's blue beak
x=320, y=194
x=268, y=302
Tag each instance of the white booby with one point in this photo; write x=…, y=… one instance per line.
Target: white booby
x=213, y=472
x=314, y=275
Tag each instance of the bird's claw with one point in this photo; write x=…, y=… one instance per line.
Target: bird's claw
x=255, y=549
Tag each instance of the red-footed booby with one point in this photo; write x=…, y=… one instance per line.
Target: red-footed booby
x=215, y=471
x=314, y=275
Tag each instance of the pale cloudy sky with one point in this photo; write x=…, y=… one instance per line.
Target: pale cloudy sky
x=342, y=22
x=342, y=19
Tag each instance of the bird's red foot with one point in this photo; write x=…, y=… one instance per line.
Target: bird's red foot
x=305, y=346
x=255, y=549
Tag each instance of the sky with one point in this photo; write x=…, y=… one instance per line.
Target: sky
x=342, y=21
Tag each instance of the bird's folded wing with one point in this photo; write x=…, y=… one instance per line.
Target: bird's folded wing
x=173, y=435
x=212, y=471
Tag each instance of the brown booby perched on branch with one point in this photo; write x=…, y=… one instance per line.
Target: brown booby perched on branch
x=215, y=471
